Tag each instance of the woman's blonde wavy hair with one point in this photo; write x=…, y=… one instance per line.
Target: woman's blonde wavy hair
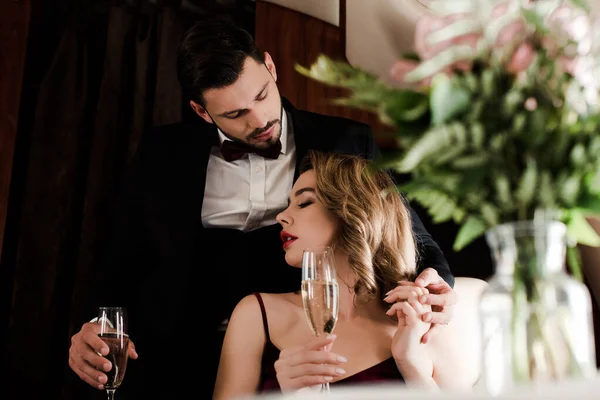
x=375, y=227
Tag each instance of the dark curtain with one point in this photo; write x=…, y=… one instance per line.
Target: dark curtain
x=98, y=73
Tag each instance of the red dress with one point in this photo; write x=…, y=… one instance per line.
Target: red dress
x=386, y=371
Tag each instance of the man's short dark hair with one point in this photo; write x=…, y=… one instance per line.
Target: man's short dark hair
x=211, y=55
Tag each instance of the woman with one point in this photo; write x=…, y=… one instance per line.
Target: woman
x=343, y=202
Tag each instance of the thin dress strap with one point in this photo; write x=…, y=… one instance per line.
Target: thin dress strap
x=264, y=315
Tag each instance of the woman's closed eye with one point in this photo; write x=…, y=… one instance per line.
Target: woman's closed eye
x=305, y=204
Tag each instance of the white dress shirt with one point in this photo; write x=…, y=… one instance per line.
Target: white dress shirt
x=248, y=193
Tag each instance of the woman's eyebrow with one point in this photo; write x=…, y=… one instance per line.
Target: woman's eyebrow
x=302, y=190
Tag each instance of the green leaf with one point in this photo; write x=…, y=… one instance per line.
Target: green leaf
x=473, y=228
x=430, y=143
x=592, y=180
x=449, y=155
x=574, y=262
x=490, y=214
x=580, y=231
x=471, y=161
x=534, y=19
x=447, y=99
x=406, y=105
x=488, y=84
x=537, y=126
x=503, y=192
x=477, y=135
x=519, y=123
x=577, y=156
x=570, y=188
x=440, y=205
x=512, y=101
x=527, y=185
x=546, y=193
x=339, y=73
x=589, y=204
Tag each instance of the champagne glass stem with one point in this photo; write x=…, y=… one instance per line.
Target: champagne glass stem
x=325, y=386
x=111, y=394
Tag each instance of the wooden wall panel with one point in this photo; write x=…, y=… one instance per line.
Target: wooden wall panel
x=294, y=38
x=14, y=27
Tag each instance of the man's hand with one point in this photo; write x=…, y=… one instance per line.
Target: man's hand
x=86, y=355
x=441, y=298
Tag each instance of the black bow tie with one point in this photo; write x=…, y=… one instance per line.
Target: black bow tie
x=234, y=151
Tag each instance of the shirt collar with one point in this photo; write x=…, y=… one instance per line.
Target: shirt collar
x=283, y=137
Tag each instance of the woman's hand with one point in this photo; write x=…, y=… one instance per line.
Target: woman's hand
x=410, y=353
x=308, y=365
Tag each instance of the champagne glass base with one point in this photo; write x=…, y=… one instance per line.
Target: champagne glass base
x=110, y=393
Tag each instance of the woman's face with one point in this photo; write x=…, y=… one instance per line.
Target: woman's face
x=306, y=222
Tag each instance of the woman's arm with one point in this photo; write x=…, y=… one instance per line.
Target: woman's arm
x=413, y=358
x=456, y=348
x=241, y=355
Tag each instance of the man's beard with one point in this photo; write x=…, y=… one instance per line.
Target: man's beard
x=256, y=132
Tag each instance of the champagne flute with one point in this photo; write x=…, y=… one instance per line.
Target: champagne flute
x=320, y=292
x=113, y=331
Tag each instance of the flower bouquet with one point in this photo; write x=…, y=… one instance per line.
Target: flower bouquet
x=497, y=121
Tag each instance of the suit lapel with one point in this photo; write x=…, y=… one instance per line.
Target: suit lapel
x=301, y=133
x=210, y=137
x=191, y=166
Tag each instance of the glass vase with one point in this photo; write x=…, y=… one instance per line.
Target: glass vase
x=536, y=319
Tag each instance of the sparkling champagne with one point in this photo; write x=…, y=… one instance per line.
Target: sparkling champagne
x=118, y=347
x=320, y=300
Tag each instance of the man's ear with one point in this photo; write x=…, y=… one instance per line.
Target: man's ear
x=270, y=66
x=198, y=109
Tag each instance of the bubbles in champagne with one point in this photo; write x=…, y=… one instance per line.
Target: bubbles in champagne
x=118, y=346
x=320, y=301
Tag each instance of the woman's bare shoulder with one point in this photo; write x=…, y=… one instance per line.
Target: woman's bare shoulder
x=282, y=299
x=283, y=310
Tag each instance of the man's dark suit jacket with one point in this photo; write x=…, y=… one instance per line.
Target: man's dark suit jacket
x=179, y=280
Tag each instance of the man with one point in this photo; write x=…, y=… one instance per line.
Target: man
x=197, y=229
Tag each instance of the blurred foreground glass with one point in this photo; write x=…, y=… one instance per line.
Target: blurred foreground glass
x=536, y=319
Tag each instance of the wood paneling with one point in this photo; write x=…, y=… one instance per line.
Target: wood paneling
x=14, y=27
x=294, y=38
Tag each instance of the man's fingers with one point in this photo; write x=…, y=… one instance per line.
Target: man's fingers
x=402, y=293
x=91, y=339
x=88, y=374
x=427, y=277
x=444, y=300
x=132, y=353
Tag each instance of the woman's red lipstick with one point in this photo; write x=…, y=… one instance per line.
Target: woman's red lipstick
x=287, y=239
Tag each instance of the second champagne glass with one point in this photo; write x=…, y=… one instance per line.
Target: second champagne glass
x=320, y=292
x=114, y=332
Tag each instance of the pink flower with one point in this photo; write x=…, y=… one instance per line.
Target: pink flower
x=401, y=68
x=521, y=58
x=513, y=31
x=571, y=38
x=426, y=50
x=429, y=24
